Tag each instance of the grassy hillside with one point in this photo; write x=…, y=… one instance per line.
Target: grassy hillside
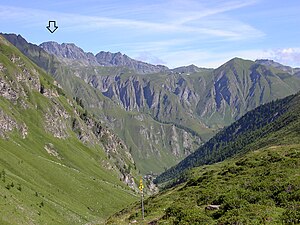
x=268, y=121
x=258, y=183
x=260, y=187
x=53, y=168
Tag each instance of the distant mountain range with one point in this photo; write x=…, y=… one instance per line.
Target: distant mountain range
x=73, y=53
x=162, y=116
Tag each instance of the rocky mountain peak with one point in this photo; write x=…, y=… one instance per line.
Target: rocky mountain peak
x=70, y=52
x=119, y=59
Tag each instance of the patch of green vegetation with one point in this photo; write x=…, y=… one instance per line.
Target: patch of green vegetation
x=261, y=187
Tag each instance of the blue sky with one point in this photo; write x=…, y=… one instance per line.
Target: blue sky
x=171, y=32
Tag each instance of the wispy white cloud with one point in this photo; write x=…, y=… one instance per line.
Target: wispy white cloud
x=150, y=58
x=216, y=28
x=174, y=32
x=288, y=56
x=198, y=11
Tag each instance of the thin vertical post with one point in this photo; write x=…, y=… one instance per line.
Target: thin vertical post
x=141, y=187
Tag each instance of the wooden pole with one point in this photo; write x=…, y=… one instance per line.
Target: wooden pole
x=141, y=187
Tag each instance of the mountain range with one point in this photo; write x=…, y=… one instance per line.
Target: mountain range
x=162, y=117
x=70, y=52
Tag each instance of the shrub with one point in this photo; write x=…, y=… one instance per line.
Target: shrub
x=292, y=214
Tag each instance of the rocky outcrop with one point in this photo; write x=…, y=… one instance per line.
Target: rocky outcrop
x=56, y=121
x=51, y=150
x=29, y=77
x=7, y=90
x=95, y=133
x=13, y=89
x=8, y=124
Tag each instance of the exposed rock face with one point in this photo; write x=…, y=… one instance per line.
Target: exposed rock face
x=72, y=53
x=51, y=150
x=56, y=121
x=174, y=142
x=69, y=51
x=29, y=77
x=118, y=59
x=187, y=143
x=12, y=88
x=95, y=133
x=151, y=188
x=139, y=93
x=49, y=92
x=7, y=91
x=8, y=124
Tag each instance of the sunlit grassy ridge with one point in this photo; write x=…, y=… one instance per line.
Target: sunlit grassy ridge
x=73, y=182
x=261, y=187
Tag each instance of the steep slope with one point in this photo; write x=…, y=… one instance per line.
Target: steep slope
x=261, y=187
x=58, y=164
x=268, y=121
x=258, y=183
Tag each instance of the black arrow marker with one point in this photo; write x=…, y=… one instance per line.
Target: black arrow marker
x=52, y=26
